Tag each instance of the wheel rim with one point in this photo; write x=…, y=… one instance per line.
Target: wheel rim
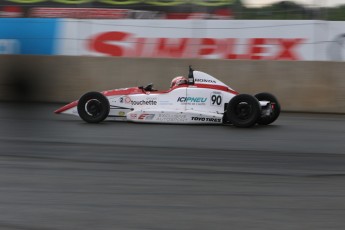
x=243, y=110
x=93, y=107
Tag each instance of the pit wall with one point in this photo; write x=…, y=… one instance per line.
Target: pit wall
x=300, y=86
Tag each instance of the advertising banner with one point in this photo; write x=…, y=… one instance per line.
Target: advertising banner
x=290, y=40
x=223, y=39
x=28, y=36
x=335, y=48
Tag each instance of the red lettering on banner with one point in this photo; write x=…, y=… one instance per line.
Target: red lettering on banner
x=211, y=47
x=126, y=44
x=174, y=49
x=287, y=46
x=230, y=52
x=99, y=43
x=207, y=46
x=139, y=47
x=256, y=48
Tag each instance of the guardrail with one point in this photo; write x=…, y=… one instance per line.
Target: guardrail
x=300, y=86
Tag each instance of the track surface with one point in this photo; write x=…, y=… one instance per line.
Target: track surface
x=58, y=172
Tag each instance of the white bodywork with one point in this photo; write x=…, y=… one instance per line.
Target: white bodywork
x=200, y=103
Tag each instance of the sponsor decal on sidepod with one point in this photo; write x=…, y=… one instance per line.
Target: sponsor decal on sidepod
x=146, y=116
x=144, y=102
x=205, y=80
x=192, y=99
x=206, y=119
x=166, y=117
x=133, y=116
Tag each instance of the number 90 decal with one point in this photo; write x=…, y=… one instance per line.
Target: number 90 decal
x=216, y=98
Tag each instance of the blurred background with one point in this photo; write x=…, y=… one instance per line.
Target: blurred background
x=58, y=172
x=175, y=9
x=74, y=41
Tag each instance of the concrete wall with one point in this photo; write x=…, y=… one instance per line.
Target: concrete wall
x=300, y=86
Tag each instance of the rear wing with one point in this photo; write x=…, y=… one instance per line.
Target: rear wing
x=202, y=78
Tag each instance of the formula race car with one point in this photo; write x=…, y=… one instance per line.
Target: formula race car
x=198, y=99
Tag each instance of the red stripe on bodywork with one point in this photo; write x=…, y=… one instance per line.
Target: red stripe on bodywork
x=128, y=91
x=132, y=91
x=203, y=86
x=216, y=87
x=66, y=107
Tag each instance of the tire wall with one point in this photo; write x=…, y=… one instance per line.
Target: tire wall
x=300, y=86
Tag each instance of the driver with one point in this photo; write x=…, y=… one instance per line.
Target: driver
x=180, y=80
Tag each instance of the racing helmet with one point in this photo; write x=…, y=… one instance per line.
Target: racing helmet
x=180, y=80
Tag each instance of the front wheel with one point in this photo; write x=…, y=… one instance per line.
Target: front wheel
x=243, y=110
x=271, y=111
x=93, y=107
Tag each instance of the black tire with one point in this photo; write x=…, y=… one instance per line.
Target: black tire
x=266, y=119
x=93, y=107
x=243, y=110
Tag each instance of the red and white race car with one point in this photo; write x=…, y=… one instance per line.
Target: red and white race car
x=198, y=99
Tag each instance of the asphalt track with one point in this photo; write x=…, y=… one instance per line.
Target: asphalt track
x=57, y=172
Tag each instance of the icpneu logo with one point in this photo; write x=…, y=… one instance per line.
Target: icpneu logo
x=192, y=99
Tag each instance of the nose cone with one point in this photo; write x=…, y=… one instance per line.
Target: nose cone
x=66, y=107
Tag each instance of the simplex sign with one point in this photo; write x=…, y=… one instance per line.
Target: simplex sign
x=213, y=39
x=114, y=44
x=291, y=40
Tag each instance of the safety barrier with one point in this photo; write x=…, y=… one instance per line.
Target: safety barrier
x=300, y=86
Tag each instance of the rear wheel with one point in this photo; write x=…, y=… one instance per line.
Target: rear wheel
x=93, y=107
x=243, y=110
x=271, y=112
